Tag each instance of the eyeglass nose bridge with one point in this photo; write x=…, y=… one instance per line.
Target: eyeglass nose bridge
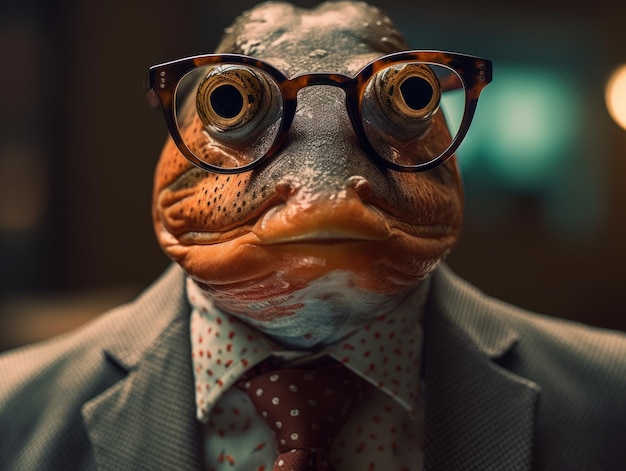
x=291, y=87
x=320, y=78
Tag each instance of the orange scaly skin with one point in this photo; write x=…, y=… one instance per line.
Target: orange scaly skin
x=320, y=204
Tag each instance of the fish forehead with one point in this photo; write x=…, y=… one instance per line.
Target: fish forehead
x=337, y=37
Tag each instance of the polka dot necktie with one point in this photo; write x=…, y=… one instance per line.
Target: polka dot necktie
x=304, y=409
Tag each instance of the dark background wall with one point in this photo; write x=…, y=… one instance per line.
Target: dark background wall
x=78, y=145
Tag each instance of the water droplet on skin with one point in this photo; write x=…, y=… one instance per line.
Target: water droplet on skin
x=318, y=53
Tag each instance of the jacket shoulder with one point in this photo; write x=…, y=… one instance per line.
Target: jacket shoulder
x=579, y=370
x=484, y=317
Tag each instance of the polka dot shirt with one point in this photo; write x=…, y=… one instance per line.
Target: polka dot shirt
x=383, y=431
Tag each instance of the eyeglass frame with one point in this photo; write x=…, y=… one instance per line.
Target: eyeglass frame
x=474, y=72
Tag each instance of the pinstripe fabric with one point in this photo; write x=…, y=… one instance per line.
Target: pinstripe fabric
x=505, y=389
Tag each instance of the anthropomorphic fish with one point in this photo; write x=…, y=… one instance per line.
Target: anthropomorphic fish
x=321, y=234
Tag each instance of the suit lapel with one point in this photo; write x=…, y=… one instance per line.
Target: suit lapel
x=478, y=414
x=147, y=420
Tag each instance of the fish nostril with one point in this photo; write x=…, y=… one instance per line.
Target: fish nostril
x=361, y=186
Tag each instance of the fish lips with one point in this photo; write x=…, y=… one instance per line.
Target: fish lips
x=328, y=221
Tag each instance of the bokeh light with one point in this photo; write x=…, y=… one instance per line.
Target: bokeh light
x=615, y=96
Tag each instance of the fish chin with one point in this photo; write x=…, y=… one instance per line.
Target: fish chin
x=318, y=314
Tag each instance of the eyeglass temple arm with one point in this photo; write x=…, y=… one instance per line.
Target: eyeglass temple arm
x=152, y=97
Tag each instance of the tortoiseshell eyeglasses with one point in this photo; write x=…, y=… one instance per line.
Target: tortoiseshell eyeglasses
x=230, y=113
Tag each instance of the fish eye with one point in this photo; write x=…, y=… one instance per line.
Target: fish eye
x=226, y=101
x=408, y=94
x=402, y=103
x=416, y=93
x=228, y=114
x=232, y=97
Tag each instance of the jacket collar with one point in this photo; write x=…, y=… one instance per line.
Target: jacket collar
x=478, y=414
x=148, y=418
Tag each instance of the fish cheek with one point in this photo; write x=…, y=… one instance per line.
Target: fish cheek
x=433, y=198
x=171, y=165
x=199, y=200
x=221, y=201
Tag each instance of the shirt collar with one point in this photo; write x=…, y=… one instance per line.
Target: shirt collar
x=386, y=352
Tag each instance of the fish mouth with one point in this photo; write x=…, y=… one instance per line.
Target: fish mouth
x=319, y=237
x=325, y=222
x=277, y=226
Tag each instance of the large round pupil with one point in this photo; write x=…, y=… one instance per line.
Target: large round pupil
x=226, y=101
x=416, y=92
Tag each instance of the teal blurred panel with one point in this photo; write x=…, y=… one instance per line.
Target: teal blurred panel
x=533, y=125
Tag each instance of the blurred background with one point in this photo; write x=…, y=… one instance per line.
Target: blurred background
x=544, y=164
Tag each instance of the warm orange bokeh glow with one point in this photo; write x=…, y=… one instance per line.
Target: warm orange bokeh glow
x=615, y=96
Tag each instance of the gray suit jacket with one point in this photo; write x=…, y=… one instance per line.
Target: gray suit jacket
x=505, y=389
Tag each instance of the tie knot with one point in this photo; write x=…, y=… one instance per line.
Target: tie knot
x=304, y=408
